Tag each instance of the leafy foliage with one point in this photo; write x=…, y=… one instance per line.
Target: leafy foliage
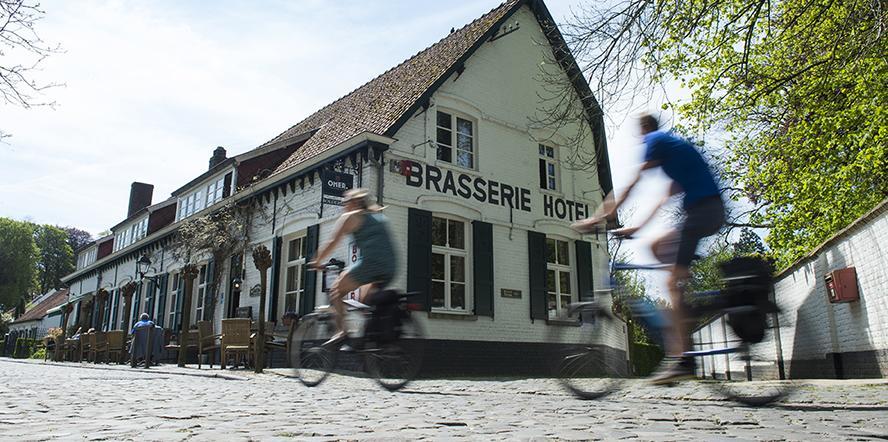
x=18, y=261
x=796, y=88
x=56, y=257
x=77, y=238
x=218, y=235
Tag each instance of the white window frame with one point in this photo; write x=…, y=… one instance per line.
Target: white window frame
x=214, y=191
x=449, y=253
x=172, y=297
x=454, y=135
x=200, y=293
x=554, y=161
x=560, y=268
x=295, y=267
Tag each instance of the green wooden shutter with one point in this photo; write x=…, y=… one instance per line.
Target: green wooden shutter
x=115, y=303
x=77, y=313
x=536, y=250
x=210, y=290
x=137, y=298
x=482, y=261
x=307, y=303
x=161, y=301
x=274, y=288
x=419, y=254
x=106, y=322
x=180, y=293
x=584, y=271
x=150, y=292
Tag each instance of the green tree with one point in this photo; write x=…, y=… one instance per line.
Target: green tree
x=795, y=89
x=749, y=243
x=56, y=258
x=18, y=261
x=77, y=238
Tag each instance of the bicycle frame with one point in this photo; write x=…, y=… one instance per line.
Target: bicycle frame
x=655, y=320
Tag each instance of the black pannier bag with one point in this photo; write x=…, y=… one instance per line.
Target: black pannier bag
x=748, y=281
x=385, y=321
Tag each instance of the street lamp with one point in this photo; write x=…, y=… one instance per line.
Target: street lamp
x=143, y=265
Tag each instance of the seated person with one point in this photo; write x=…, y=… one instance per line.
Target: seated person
x=144, y=321
x=76, y=334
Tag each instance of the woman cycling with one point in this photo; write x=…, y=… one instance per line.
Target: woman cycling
x=375, y=268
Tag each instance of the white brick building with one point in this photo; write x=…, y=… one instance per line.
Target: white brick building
x=479, y=201
x=818, y=338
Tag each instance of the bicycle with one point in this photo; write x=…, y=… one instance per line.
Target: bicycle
x=387, y=337
x=589, y=368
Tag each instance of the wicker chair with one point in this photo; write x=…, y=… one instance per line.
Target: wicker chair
x=206, y=341
x=87, y=340
x=99, y=346
x=236, y=339
x=190, y=342
x=116, y=345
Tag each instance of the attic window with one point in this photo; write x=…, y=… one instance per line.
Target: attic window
x=456, y=138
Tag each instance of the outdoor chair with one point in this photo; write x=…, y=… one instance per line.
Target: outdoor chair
x=86, y=342
x=71, y=349
x=99, y=346
x=190, y=342
x=206, y=342
x=280, y=339
x=116, y=345
x=236, y=339
x=146, y=344
x=49, y=346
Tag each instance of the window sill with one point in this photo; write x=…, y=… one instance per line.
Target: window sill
x=562, y=323
x=458, y=316
x=556, y=193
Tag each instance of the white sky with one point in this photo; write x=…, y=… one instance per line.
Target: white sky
x=151, y=87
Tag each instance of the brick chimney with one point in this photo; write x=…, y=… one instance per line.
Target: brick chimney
x=140, y=197
x=218, y=156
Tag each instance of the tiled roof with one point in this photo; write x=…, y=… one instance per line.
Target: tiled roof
x=377, y=105
x=38, y=311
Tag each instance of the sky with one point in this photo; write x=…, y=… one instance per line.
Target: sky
x=152, y=87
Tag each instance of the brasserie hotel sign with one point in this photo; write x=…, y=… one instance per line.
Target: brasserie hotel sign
x=470, y=187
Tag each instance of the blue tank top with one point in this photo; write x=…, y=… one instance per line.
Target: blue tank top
x=374, y=239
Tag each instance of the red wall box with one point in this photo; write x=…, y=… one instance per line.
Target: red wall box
x=841, y=285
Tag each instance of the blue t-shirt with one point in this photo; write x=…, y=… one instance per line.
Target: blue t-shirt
x=681, y=162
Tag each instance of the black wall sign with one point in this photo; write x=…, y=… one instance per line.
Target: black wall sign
x=486, y=191
x=335, y=184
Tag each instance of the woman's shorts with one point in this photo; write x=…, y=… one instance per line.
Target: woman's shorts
x=363, y=272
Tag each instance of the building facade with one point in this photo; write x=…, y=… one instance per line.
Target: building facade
x=480, y=202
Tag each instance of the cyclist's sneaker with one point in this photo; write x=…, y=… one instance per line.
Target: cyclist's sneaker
x=673, y=370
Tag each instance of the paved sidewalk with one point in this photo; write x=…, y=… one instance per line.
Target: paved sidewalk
x=72, y=401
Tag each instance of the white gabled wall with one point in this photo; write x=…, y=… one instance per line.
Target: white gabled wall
x=498, y=92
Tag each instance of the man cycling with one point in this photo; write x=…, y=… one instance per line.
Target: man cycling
x=704, y=215
x=376, y=266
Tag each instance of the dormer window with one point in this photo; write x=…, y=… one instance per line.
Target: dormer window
x=215, y=191
x=456, y=140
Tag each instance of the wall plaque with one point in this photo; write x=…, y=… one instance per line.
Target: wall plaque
x=510, y=293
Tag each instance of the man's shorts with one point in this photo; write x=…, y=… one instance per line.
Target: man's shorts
x=703, y=218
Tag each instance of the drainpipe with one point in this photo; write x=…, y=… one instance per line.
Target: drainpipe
x=380, y=179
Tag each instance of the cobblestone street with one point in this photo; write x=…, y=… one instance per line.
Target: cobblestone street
x=46, y=402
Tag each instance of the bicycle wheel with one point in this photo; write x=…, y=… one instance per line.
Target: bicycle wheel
x=394, y=364
x=748, y=386
x=310, y=360
x=581, y=360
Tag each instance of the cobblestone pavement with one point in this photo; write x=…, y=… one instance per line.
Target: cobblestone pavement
x=72, y=401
